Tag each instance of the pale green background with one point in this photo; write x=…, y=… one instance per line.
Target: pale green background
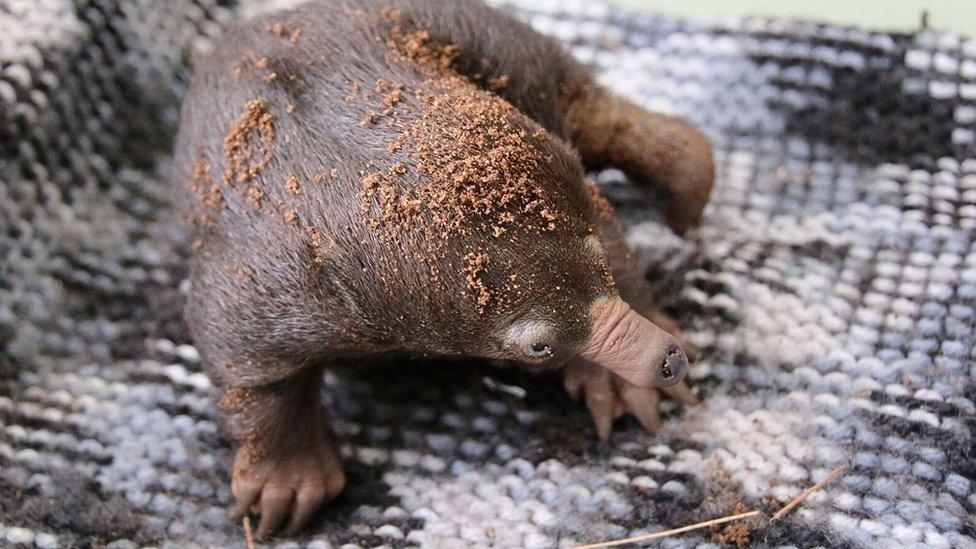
x=904, y=15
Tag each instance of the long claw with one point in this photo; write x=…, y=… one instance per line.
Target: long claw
x=245, y=493
x=307, y=501
x=600, y=401
x=275, y=503
x=573, y=385
x=643, y=405
x=682, y=393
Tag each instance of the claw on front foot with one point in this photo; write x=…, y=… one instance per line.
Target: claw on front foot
x=276, y=486
x=609, y=396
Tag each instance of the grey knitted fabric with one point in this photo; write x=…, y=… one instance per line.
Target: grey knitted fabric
x=831, y=291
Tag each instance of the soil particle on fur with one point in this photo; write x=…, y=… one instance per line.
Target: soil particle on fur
x=291, y=185
x=475, y=264
x=235, y=400
x=319, y=244
x=475, y=162
x=261, y=64
x=252, y=450
x=418, y=48
x=206, y=191
x=392, y=93
x=255, y=196
x=322, y=177
x=248, y=147
x=288, y=31
x=475, y=158
x=602, y=207
x=357, y=93
x=498, y=83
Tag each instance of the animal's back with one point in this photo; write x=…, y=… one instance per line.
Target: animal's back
x=282, y=109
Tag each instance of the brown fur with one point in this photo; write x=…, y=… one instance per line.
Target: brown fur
x=396, y=176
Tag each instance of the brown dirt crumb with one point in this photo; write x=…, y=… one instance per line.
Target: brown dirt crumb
x=252, y=449
x=318, y=242
x=369, y=119
x=291, y=185
x=474, y=154
x=383, y=86
x=245, y=156
x=206, y=191
x=735, y=533
x=603, y=208
x=235, y=400
x=418, y=48
x=291, y=216
x=282, y=29
x=290, y=108
x=393, y=98
x=242, y=274
x=196, y=246
x=356, y=93
x=475, y=264
x=259, y=63
x=498, y=83
x=255, y=196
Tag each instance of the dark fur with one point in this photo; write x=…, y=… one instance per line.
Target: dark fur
x=272, y=329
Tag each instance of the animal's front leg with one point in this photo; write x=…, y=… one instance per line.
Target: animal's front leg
x=609, y=396
x=288, y=463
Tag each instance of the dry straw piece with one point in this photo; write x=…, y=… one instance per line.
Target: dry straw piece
x=697, y=526
x=248, y=534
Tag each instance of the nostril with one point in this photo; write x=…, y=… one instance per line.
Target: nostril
x=674, y=364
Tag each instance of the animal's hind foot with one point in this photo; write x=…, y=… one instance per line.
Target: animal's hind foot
x=277, y=484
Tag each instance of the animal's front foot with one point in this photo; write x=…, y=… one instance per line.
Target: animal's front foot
x=609, y=396
x=276, y=485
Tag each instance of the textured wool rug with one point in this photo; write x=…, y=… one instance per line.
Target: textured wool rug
x=831, y=290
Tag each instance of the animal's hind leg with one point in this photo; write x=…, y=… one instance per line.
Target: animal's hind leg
x=537, y=75
x=288, y=462
x=660, y=152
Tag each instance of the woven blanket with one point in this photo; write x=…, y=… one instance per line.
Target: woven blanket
x=831, y=292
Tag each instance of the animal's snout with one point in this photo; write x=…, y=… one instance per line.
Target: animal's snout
x=633, y=347
x=672, y=368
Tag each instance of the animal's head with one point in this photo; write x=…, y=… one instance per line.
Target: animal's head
x=495, y=249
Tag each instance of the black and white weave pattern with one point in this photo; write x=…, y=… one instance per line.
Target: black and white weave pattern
x=832, y=291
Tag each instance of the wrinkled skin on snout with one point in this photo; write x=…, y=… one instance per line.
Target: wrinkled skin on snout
x=632, y=347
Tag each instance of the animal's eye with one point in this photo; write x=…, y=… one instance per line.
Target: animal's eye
x=538, y=350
